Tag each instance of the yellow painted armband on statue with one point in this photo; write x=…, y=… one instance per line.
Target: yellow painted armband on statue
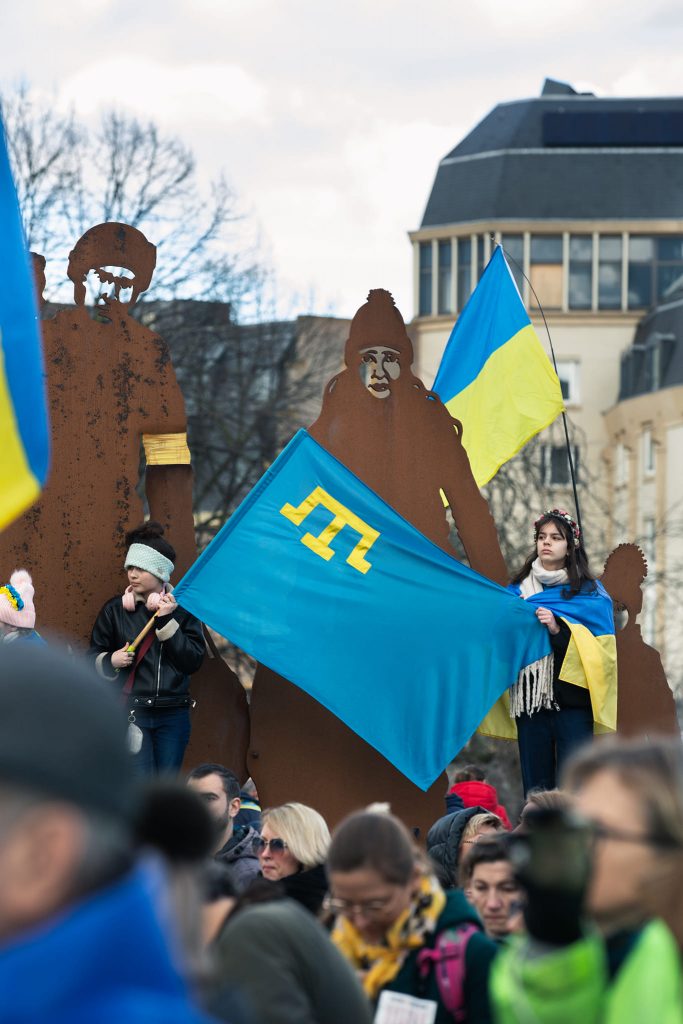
x=166, y=449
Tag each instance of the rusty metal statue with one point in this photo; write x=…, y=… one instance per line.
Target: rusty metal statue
x=112, y=392
x=380, y=421
x=645, y=703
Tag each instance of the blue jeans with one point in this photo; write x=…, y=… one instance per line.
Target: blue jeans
x=165, y=734
x=546, y=739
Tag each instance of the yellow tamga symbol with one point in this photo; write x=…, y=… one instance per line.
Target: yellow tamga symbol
x=342, y=517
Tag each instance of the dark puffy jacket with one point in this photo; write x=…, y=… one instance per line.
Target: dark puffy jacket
x=162, y=679
x=443, y=843
x=238, y=854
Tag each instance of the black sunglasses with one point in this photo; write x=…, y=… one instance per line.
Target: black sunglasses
x=277, y=846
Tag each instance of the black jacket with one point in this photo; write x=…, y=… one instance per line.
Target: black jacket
x=162, y=679
x=443, y=843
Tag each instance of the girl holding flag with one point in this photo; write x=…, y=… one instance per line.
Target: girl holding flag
x=559, y=701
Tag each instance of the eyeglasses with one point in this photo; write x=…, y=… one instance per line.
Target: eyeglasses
x=368, y=908
x=276, y=846
x=600, y=831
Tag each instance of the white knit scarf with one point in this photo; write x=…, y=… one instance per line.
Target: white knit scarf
x=534, y=687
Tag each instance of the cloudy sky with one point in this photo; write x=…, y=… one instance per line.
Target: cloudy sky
x=329, y=117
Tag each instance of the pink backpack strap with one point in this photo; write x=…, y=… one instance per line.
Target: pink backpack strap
x=447, y=960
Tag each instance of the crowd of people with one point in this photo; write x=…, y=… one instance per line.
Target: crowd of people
x=130, y=891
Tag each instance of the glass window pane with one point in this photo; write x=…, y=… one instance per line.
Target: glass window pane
x=425, y=297
x=639, y=285
x=641, y=248
x=610, y=247
x=669, y=279
x=546, y=249
x=547, y=283
x=670, y=248
x=580, y=286
x=581, y=247
x=445, y=276
x=609, y=286
x=425, y=255
x=513, y=247
x=464, y=270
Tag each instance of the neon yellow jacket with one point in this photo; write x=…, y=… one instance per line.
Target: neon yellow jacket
x=572, y=986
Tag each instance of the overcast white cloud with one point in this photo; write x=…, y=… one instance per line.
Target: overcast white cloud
x=329, y=118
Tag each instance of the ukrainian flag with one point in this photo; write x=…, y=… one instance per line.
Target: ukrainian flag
x=495, y=376
x=590, y=661
x=24, y=439
x=318, y=578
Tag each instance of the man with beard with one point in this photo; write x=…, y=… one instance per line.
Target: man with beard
x=381, y=422
x=220, y=791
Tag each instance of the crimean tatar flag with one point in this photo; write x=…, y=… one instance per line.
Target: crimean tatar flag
x=322, y=581
x=24, y=444
x=495, y=376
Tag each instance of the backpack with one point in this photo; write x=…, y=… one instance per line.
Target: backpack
x=447, y=958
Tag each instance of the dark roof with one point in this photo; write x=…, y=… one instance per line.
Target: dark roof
x=565, y=155
x=655, y=359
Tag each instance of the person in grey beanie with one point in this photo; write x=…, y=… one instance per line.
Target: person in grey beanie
x=83, y=935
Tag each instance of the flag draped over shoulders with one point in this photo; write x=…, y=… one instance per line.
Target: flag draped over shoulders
x=23, y=414
x=320, y=580
x=494, y=376
x=591, y=658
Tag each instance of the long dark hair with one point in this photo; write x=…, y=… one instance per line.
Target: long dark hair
x=576, y=562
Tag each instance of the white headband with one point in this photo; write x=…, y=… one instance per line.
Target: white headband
x=144, y=557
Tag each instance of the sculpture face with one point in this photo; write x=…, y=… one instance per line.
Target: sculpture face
x=379, y=367
x=110, y=286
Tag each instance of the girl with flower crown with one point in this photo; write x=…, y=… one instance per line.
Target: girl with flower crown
x=557, y=702
x=154, y=678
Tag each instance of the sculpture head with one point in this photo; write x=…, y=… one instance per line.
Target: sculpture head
x=625, y=571
x=116, y=260
x=378, y=345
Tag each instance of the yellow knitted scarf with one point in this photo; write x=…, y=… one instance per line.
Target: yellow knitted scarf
x=376, y=965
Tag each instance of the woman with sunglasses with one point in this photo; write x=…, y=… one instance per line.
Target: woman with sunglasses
x=604, y=907
x=394, y=921
x=292, y=849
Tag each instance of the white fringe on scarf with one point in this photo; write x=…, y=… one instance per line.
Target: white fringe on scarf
x=534, y=687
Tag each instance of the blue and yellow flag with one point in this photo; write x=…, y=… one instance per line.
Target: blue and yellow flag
x=319, y=579
x=590, y=661
x=23, y=416
x=495, y=376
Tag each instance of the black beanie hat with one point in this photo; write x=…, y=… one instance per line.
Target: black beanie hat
x=62, y=733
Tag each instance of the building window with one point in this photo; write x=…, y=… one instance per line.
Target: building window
x=555, y=469
x=464, y=271
x=568, y=372
x=669, y=266
x=580, y=271
x=648, y=452
x=425, y=303
x=445, y=276
x=481, y=249
x=609, y=272
x=513, y=247
x=641, y=252
x=546, y=271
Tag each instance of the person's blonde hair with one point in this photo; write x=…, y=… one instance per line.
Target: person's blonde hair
x=479, y=821
x=304, y=831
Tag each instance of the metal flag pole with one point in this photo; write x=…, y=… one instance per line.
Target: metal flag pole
x=564, y=414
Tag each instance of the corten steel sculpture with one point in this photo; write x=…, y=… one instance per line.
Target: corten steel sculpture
x=380, y=421
x=111, y=391
x=645, y=703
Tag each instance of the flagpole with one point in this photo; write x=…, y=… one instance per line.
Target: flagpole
x=564, y=414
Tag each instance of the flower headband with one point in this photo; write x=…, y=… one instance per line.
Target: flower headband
x=559, y=513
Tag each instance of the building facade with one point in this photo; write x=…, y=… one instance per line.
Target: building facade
x=586, y=196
